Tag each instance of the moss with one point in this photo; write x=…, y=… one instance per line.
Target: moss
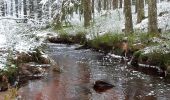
x=107, y=41
x=65, y=37
x=63, y=33
x=36, y=55
x=155, y=58
x=137, y=54
x=80, y=37
x=10, y=72
x=143, y=38
x=68, y=38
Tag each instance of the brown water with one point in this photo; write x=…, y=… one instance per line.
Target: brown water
x=81, y=68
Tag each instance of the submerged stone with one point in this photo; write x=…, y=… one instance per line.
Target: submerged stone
x=101, y=86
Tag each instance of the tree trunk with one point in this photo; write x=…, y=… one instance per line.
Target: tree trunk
x=38, y=9
x=16, y=7
x=140, y=10
x=128, y=17
x=105, y=4
x=2, y=8
x=115, y=4
x=87, y=12
x=146, y=1
x=93, y=6
x=99, y=5
x=120, y=3
x=31, y=9
x=25, y=7
x=136, y=6
x=152, y=17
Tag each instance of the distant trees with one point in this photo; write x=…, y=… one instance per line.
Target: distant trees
x=152, y=17
x=106, y=3
x=63, y=10
x=2, y=8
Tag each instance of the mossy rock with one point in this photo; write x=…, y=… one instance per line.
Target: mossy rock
x=153, y=58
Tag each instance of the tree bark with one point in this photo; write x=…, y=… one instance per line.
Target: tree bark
x=17, y=8
x=140, y=10
x=120, y=3
x=2, y=8
x=87, y=12
x=25, y=7
x=152, y=17
x=99, y=5
x=128, y=17
x=115, y=4
x=93, y=6
x=136, y=6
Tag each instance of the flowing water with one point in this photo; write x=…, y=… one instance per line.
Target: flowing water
x=81, y=68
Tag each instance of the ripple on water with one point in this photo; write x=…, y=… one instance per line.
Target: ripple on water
x=83, y=67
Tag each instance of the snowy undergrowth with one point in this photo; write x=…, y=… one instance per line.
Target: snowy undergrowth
x=17, y=37
x=163, y=21
x=113, y=21
x=104, y=22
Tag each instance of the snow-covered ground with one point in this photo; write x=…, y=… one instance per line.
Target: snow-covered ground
x=18, y=37
x=163, y=21
x=113, y=21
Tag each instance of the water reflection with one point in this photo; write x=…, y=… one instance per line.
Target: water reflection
x=81, y=68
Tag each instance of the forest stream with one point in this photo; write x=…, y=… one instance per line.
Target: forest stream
x=84, y=49
x=81, y=68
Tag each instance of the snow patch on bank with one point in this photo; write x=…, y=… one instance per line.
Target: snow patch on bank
x=16, y=38
x=2, y=40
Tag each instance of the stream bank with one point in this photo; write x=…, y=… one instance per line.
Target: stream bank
x=81, y=68
x=105, y=44
x=140, y=55
x=26, y=66
x=25, y=60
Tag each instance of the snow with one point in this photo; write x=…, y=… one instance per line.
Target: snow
x=115, y=56
x=45, y=33
x=113, y=21
x=43, y=2
x=2, y=40
x=16, y=37
x=163, y=47
x=20, y=37
x=163, y=21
